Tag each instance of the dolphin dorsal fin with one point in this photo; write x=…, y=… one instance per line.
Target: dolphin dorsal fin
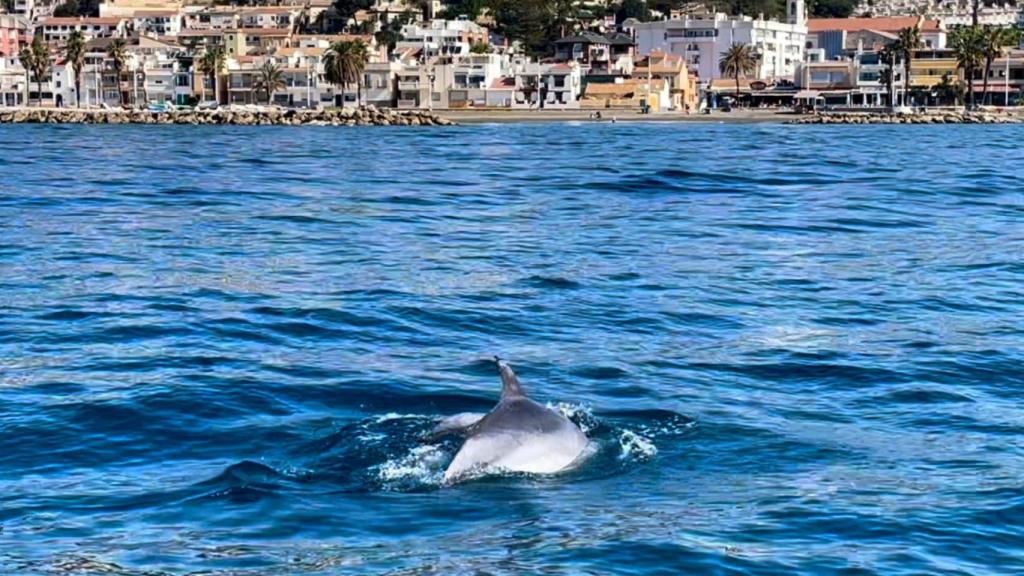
x=510, y=386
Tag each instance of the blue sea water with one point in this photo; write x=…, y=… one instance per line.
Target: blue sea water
x=799, y=348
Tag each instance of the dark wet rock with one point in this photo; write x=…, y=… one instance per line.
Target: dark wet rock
x=368, y=116
x=925, y=118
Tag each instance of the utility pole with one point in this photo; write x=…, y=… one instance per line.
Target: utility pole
x=892, y=81
x=1006, y=81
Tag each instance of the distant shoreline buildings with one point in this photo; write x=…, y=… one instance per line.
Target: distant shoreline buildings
x=157, y=53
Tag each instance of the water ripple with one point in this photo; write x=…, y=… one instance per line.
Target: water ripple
x=797, y=348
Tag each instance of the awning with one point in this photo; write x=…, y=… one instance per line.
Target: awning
x=805, y=94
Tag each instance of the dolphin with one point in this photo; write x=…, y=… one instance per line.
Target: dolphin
x=518, y=435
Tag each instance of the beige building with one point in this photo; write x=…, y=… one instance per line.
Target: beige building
x=672, y=68
x=128, y=8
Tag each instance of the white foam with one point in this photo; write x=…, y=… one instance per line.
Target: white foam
x=582, y=415
x=636, y=446
x=422, y=465
x=394, y=416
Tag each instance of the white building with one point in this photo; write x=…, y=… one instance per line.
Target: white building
x=13, y=87
x=702, y=39
x=269, y=16
x=548, y=86
x=158, y=22
x=302, y=68
x=58, y=29
x=442, y=37
x=476, y=80
x=33, y=10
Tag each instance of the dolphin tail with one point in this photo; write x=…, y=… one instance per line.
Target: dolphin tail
x=510, y=386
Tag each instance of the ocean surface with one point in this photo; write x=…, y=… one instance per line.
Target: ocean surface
x=799, y=349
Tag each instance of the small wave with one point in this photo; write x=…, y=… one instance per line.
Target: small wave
x=924, y=396
x=552, y=282
x=600, y=372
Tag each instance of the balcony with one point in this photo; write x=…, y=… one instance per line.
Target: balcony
x=408, y=84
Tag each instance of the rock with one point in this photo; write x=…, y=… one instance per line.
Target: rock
x=369, y=115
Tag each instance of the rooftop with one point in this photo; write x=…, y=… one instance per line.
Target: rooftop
x=97, y=21
x=617, y=39
x=889, y=24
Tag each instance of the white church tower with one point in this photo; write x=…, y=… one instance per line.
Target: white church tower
x=797, y=12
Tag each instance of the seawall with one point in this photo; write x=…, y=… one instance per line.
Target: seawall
x=368, y=116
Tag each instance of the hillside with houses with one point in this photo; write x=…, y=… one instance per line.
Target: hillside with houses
x=652, y=57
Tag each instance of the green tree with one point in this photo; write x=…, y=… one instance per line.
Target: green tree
x=632, y=9
x=74, y=54
x=737, y=61
x=907, y=41
x=344, y=63
x=471, y=9
x=68, y=9
x=535, y=24
x=212, y=63
x=269, y=80
x=831, y=8
x=887, y=75
x=996, y=39
x=346, y=9
x=117, y=51
x=479, y=48
x=969, y=48
x=28, y=63
x=40, y=63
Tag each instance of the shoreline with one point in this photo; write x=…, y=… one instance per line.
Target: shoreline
x=373, y=116
x=499, y=116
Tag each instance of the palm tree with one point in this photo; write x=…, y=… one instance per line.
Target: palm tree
x=358, y=57
x=336, y=65
x=212, y=62
x=40, y=63
x=995, y=40
x=887, y=75
x=908, y=40
x=344, y=64
x=117, y=51
x=27, y=58
x=969, y=49
x=270, y=80
x=737, y=61
x=74, y=54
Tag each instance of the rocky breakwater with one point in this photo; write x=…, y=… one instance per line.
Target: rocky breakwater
x=368, y=116
x=949, y=117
